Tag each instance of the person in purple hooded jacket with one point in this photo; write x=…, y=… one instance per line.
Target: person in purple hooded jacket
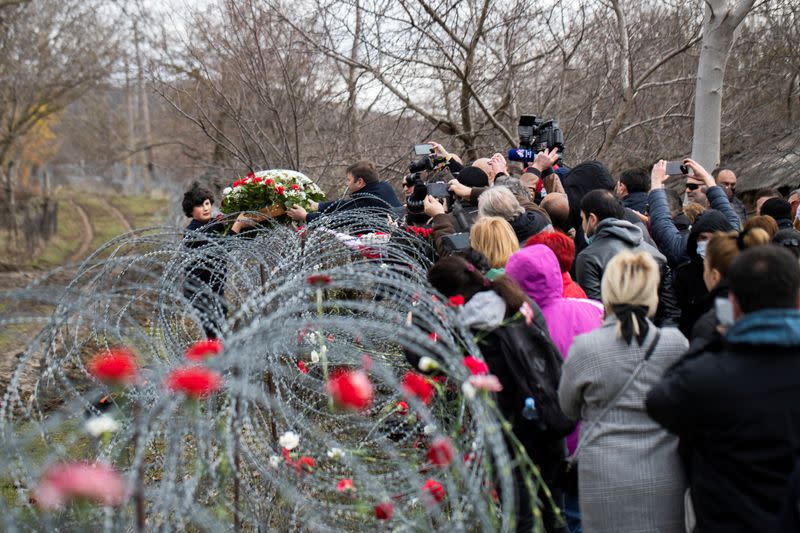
x=536, y=270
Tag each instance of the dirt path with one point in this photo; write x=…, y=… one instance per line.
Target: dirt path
x=116, y=213
x=88, y=233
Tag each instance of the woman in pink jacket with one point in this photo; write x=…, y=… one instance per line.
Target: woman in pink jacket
x=536, y=270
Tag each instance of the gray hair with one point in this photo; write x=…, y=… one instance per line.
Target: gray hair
x=499, y=201
x=517, y=188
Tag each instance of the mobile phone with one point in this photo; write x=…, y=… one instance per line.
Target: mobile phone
x=438, y=189
x=423, y=149
x=676, y=168
x=724, y=310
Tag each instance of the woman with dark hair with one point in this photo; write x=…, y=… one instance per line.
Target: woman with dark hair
x=519, y=352
x=204, y=280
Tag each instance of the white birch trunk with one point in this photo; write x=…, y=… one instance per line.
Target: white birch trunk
x=722, y=18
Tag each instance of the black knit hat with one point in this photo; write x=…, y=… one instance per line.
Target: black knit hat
x=473, y=177
x=777, y=208
x=711, y=221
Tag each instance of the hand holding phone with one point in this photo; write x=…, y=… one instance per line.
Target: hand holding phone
x=423, y=149
x=676, y=168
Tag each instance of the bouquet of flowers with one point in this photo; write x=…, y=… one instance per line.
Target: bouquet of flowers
x=270, y=191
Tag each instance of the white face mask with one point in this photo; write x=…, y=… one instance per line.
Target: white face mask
x=701, y=249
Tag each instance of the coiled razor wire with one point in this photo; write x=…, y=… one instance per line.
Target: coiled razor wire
x=216, y=464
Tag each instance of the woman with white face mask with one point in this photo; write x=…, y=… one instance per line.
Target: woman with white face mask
x=690, y=290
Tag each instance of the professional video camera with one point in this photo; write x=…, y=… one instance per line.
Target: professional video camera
x=536, y=135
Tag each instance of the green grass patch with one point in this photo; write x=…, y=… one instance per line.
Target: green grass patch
x=141, y=211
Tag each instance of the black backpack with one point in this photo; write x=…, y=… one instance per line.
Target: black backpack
x=535, y=367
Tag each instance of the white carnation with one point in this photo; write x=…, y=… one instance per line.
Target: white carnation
x=468, y=390
x=274, y=461
x=289, y=440
x=99, y=425
x=336, y=454
x=226, y=191
x=314, y=356
x=426, y=364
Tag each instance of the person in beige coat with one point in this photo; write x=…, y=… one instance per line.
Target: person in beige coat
x=629, y=474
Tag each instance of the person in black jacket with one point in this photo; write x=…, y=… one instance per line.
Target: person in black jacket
x=365, y=188
x=204, y=280
x=722, y=249
x=690, y=289
x=607, y=234
x=513, y=346
x=735, y=404
x=633, y=187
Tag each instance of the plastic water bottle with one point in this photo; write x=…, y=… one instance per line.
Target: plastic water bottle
x=529, y=411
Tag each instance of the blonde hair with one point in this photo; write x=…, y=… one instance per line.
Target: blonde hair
x=494, y=238
x=499, y=201
x=723, y=247
x=631, y=278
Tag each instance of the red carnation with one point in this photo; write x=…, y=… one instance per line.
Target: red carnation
x=295, y=187
x=202, y=349
x=351, y=390
x=417, y=385
x=302, y=366
x=345, y=485
x=402, y=408
x=116, y=366
x=433, y=491
x=258, y=180
x=194, y=381
x=268, y=181
x=384, y=511
x=455, y=301
x=279, y=189
x=440, y=452
x=475, y=366
x=433, y=336
x=251, y=175
x=305, y=463
x=318, y=280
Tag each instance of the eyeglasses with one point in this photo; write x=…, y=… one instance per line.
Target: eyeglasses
x=728, y=186
x=692, y=186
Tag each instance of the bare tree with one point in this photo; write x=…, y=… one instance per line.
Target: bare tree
x=722, y=19
x=633, y=82
x=455, y=64
x=47, y=60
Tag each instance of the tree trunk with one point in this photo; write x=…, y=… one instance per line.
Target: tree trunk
x=148, y=151
x=11, y=171
x=131, y=114
x=722, y=18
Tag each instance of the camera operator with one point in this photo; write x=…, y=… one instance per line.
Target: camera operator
x=430, y=175
x=542, y=164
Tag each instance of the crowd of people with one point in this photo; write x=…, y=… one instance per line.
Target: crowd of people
x=673, y=402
